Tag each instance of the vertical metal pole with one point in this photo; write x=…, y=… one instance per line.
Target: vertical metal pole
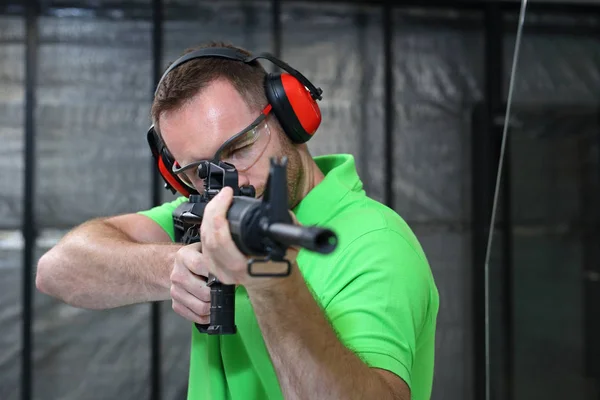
x=479, y=203
x=155, y=317
x=29, y=228
x=485, y=152
x=481, y=194
x=388, y=106
x=484, y=159
x=496, y=24
x=507, y=292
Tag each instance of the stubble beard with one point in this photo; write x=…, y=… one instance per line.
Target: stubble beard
x=294, y=173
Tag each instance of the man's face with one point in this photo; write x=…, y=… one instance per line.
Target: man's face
x=201, y=126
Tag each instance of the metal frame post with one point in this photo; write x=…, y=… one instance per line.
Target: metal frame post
x=29, y=223
x=482, y=191
x=507, y=268
x=481, y=205
x=486, y=141
x=155, y=317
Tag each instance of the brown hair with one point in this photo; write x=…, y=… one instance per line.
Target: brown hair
x=184, y=82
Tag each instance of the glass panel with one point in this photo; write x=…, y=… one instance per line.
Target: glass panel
x=439, y=78
x=544, y=286
x=555, y=192
x=12, y=98
x=93, y=99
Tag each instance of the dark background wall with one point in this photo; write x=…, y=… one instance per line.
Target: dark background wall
x=92, y=83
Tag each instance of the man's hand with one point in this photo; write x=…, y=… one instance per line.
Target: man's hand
x=191, y=296
x=224, y=259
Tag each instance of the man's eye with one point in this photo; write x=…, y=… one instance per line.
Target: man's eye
x=238, y=149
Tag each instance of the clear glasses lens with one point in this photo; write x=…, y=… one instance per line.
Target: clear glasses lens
x=247, y=149
x=243, y=152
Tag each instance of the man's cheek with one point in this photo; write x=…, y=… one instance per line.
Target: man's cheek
x=244, y=179
x=258, y=178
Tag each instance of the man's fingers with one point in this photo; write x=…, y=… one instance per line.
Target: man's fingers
x=195, y=246
x=190, y=282
x=191, y=301
x=215, y=233
x=202, y=293
x=220, y=203
x=215, y=222
x=188, y=314
x=194, y=260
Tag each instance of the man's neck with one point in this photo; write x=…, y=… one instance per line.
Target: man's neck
x=310, y=177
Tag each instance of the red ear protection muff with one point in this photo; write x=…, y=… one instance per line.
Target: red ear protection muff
x=164, y=162
x=296, y=110
x=292, y=96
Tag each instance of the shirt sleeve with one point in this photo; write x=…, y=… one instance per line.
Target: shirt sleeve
x=163, y=215
x=382, y=300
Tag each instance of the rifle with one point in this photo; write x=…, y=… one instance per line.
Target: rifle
x=263, y=230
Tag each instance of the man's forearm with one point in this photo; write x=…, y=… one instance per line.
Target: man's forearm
x=310, y=361
x=97, y=266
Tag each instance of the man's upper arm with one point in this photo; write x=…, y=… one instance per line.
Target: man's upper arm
x=383, y=302
x=153, y=225
x=398, y=387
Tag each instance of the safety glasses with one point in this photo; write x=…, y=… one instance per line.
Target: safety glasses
x=242, y=150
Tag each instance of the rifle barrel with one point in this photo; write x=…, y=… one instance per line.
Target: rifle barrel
x=312, y=238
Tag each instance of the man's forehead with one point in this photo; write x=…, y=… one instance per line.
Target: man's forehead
x=203, y=145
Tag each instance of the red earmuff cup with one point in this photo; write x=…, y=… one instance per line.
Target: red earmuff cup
x=171, y=179
x=305, y=107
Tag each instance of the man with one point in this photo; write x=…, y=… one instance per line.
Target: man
x=358, y=323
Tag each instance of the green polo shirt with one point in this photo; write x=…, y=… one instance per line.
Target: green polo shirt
x=376, y=289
